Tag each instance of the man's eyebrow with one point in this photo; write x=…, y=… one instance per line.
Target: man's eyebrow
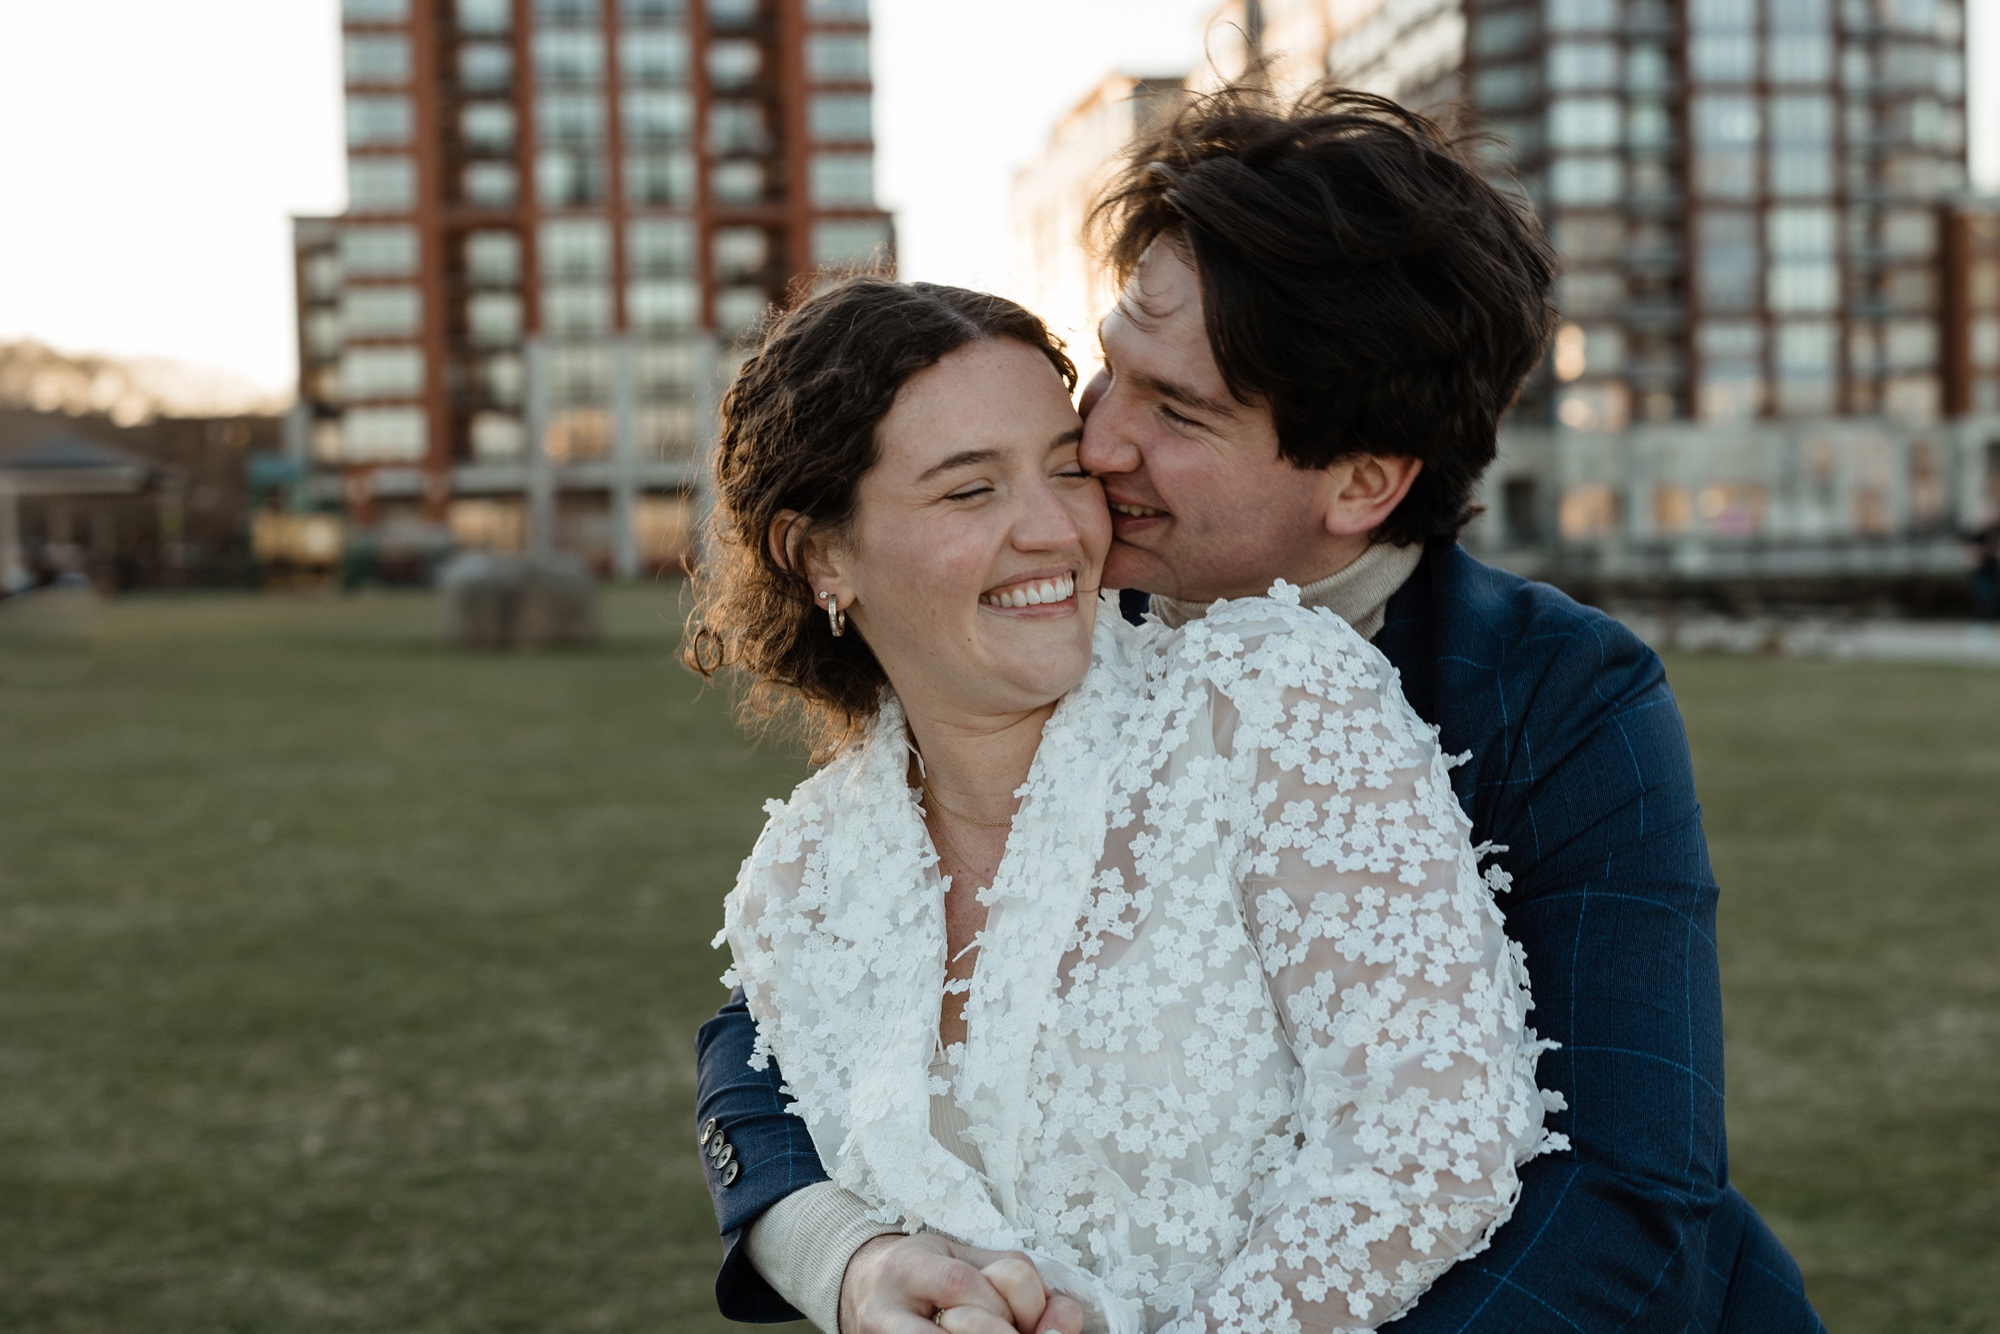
x=1181, y=394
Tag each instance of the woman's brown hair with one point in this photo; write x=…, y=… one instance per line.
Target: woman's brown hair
x=798, y=433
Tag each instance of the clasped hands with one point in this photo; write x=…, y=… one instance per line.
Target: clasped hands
x=899, y=1284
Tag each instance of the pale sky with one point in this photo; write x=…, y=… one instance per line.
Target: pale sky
x=151, y=152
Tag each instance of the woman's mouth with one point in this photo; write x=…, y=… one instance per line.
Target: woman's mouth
x=1032, y=592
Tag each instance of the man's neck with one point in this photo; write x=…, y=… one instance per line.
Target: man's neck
x=1358, y=592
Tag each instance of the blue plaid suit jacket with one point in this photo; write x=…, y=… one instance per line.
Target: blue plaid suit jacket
x=1579, y=768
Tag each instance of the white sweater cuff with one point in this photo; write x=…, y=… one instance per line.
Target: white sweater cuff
x=801, y=1245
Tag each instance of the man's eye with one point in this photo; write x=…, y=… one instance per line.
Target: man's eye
x=1176, y=418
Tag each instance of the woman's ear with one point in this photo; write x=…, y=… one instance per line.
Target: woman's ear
x=1366, y=490
x=796, y=546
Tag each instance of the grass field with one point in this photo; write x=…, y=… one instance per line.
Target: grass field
x=347, y=984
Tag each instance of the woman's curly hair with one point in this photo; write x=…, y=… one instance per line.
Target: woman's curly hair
x=798, y=434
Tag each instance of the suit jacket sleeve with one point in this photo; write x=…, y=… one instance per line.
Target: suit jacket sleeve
x=1581, y=770
x=773, y=1154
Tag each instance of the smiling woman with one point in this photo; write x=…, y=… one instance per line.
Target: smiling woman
x=903, y=455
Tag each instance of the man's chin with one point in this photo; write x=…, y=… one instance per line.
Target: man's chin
x=1129, y=566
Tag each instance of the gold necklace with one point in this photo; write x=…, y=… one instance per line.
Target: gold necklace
x=929, y=795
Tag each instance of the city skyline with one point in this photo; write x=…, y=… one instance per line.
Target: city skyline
x=206, y=280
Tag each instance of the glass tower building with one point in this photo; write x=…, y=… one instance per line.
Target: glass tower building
x=1745, y=193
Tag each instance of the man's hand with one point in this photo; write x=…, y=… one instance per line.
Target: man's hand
x=908, y=1285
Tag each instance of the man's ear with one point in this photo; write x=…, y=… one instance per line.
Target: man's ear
x=1366, y=490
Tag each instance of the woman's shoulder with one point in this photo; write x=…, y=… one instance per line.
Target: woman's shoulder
x=1277, y=642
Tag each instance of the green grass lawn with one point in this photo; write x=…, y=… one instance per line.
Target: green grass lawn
x=350, y=984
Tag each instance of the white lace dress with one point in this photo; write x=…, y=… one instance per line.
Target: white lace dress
x=1246, y=1048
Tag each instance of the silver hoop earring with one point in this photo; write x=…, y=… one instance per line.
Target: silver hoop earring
x=835, y=617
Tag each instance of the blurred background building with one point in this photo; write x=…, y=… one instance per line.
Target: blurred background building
x=1779, y=361
x=561, y=213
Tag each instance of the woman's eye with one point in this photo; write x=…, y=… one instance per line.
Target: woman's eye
x=970, y=492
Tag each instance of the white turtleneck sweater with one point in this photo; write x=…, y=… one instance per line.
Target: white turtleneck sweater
x=801, y=1244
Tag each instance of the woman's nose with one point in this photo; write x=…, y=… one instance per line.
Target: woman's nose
x=1045, y=523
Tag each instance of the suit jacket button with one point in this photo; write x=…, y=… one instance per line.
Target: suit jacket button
x=727, y=1156
x=729, y=1175
x=715, y=1148
x=707, y=1131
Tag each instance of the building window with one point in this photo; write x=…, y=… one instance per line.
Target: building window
x=566, y=11
x=491, y=184
x=493, y=258
x=495, y=435
x=569, y=57
x=654, y=11
x=662, y=305
x=1646, y=70
x=840, y=242
x=576, y=248
x=738, y=310
x=381, y=372
x=733, y=65
x=1501, y=86
x=1583, y=65
x=736, y=127
x=1723, y=57
x=381, y=184
x=1798, y=58
x=484, y=66
x=569, y=179
x=659, y=178
x=505, y=379
x=377, y=58
x=381, y=312
x=842, y=179
x=837, y=118
x=485, y=15
x=576, y=310
x=375, y=11
x=734, y=15
x=837, y=57
x=1584, y=122
x=668, y=370
x=837, y=10
x=657, y=115
x=1582, y=15
x=659, y=245
x=383, y=435
x=1586, y=180
x=493, y=319
x=370, y=252
x=377, y=121
x=739, y=251
x=569, y=118
x=579, y=375
x=653, y=57
x=488, y=126
x=737, y=182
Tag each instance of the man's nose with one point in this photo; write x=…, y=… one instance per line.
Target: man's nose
x=1107, y=448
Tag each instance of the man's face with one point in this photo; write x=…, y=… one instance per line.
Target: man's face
x=1202, y=507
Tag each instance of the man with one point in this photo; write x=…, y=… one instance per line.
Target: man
x=1325, y=313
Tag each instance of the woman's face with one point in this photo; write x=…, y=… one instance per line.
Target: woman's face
x=973, y=561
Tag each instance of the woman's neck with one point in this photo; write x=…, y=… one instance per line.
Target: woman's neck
x=975, y=765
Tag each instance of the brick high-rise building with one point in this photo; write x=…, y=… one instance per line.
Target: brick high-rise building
x=559, y=211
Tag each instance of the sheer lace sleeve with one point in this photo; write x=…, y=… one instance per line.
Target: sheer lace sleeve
x=1401, y=997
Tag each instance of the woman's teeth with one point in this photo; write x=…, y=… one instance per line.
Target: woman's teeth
x=1033, y=595
x=1136, y=511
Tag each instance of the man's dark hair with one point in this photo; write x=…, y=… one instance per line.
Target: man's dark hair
x=1358, y=274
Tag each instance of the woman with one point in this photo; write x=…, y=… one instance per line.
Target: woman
x=1161, y=955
